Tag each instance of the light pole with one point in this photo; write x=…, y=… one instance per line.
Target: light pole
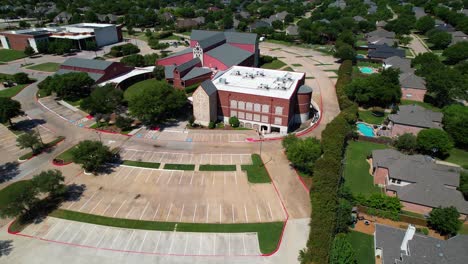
x=99, y=135
x=261, y=141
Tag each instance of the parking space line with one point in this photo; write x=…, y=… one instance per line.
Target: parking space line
x=170, y=177
x=107, y=208
x=232, y=209
x=63, y=232
x=151, y=158
x=220, y=209
x=113, y=241
x=96, y=205
x=138, y=175
x=258, y=213
x=224, y=175
x=199, y=245
x=172, y=242
x=143, y=242
x=170, y=208
x=159, y=177
x=87, y=201
x=162, y=157
x=213, y=178
x=102, y=237
x=120, y=207
x=181, y=156
x=194, y=213
x=87, y=235
x=229, y=244
x=207, y=211
x=191, y=157
x=202, y=179
x=118, y=173
x=157, y=209
x=235, y=177
x=271, y=214
x=128, y=174
x=211, y=158
x=157, y=243
x=131, y=209
x=180, y=179
x=191, y=179
x=181, y=212
x=186, y=243
x=129, y=240
x=243, y=242
x=133, y=154
x=214, y=244
x=245, y=211
x=76, y=233
x=144, y=210
x=147, y=177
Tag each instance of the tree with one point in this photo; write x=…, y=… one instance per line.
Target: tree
x=406, y=142
x=277, y=24
x=103, y=99
x=29, y=51
x=51, y=182
x=424, y=24
x=343, y=216
x=21, y=200
x=150, y=59
x=124, y=123
x=347, y=37
x=445, y=220
x=303, y=154
x=30, y=140
x=455, y=120
x=158, y=72
x=71, y=85
x=445, y=85
x=435, y=142
x=289, y=140
x=439, y=39
x=457, y=52
x=234, y=121
x=342, y=251
x=21, y=78
x=92, y=155
x=155, y=103
x=134, y=60
x=9, y=108
x=345, y=52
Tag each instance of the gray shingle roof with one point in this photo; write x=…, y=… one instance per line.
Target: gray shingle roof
x=229, y=55
x=411, y=80
x=202, y=34
x=404, y=65
x=359, y=18
x=377, y=40
x=208, y=87
x=212, y=40
x=419, y=12
x=87, y=63
x=423, y=249
x=182, y=52
x=385, y=52
x=415, y=115
x=292, y=30
x=196, y=72
x=381, y=33
x=169, y=71
x=188, y=65
x=94, y=76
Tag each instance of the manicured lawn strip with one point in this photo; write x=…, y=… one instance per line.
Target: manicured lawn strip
x=369, y=118
x=268, y=233
x=142, y=164
x=7, y=55
x=256, y=172
x=356, y=170
x=210, y=167
x=458, y=156
x=422, y=104
x=46, y=146
x=296, y=64
x=187, y=167
x=8, y=192
x=363, y=245
x=12, y=91
x=66, y=156
x=287, y=69
x=275, y=64
x=412, y=214
x=47, y=67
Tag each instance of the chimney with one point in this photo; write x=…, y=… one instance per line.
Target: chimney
x=408, y=236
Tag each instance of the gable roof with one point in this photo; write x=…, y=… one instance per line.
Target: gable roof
x=415, y=115
x=403, y=64
x=229, y=36
x=419, y=12
x=411, y=80
x=208, y=87
x=212, y=40
x=229, y=55
x=169, y=71
x=377, y=40
x=381, y=33
x=87, y=63
x=182, y=52
x=94, y=76
x=385, y=51
x=292, y=30
x=358, y=18
x=196, y=72
x=187, y=65
x=423, y=249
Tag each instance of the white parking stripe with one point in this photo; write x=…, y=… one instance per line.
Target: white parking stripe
x=170, y=177
x=96, y=205
x=120, y=207
x=76, y=233
x=186, y=243
x=258, y=213
x=181, y=175
x=129, y=240
x=207, y=211
x=181, y=212
x=157, y=209
x=191, y=179
x=220, y=209
x=168, y=212
x=102, y=237
x=63, y=232
x=232, y=209
x=115, y=238
x=243, y=242
x=271, y=214
x=172, y=242
x=143, y=242
x=157, y=243
x=245, y=211
x=194, y=213
x=144, y=210
x=88, y=235
x=108, y=206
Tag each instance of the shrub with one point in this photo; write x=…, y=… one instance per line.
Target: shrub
x=234, y=121
x=445, y=220
x=434, y=142
x=406, y=142
x=211, y=125
x=124, y=123
x=21, y=78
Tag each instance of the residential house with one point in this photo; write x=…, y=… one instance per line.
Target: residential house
x=372, y=7
x=382, y=52
x=277, y=17
x=380, y=37
x=403, y=64
x=292, y=30
x=359, y=19
x=419, y=12
x=413, y=87
x=188, y=23
x=107, y=18
x=341, y=4
x=62, y=17
x=443, y=26
x=399, y=246
x=418, y=181
x=412, y=119
x=166, y=16
x=244, y=14
x=458, y=36
x=381, y=24
x=259, y=24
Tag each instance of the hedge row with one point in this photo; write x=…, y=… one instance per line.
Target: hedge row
x=327, y=174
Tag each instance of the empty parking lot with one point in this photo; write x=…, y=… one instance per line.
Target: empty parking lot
x=144, y=241
x=77, y=118
x=10, y=151
x=194, y=136
x=177, y=196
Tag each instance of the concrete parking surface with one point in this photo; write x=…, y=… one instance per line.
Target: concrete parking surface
x=145, y=241
x=8, y=148
x=194, y=136
x=77, y=118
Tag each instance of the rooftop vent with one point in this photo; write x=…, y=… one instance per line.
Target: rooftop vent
x=223, y=80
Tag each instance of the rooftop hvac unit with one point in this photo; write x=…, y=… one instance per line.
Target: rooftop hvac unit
x=223, y=80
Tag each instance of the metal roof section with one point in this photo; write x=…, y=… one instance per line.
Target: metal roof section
x=210, y=41
x=188, y=65
x=260, y=82
x=231, y=37
x=182, y=52
x=196, y=72
x=208, y=87
x=169, y=71
x=304, y=89
x=87, y=63
x=94, y=76
x=229, y=55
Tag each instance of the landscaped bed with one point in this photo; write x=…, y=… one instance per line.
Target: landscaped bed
x=210, y=167
x=45, y=147
x=46, y=67
x=187, y=167
x=141, y=164
x=275, y=64
x=369, y=117
x=268, y=233
x=12, y=91
x=256, y=172
x=66, y=156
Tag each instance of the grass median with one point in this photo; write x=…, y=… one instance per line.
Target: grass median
x=268, y=233
x=66, y=156
x=11, y=92
x=46, y=67
x=187, y=167
x=210, y=167
x=141, y=164
x=256, y=172
x=46, y=146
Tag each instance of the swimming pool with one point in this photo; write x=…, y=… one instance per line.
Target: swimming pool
x=366, y=130
x=366, y=70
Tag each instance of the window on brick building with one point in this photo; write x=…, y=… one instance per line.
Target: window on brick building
x=233, y=113
x=264, y=119
x=278, y=121
x=241, y=115
x=241, y=105
x=248, y=106
x=257, y=107
x=233, y=104
x=248, y=116
x=265, y=108
x=256, y=117
x=279, y=110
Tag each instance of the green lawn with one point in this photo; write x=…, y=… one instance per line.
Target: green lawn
x=66, y=156
x=136, y=35
x=276, y=64
x=172, y=37
x=296, y=64
x=464, y=230
x=12, y=91
x=356, y=170
x=287, y=69
x=187, y=167
x=47, y=67
x=458, y=156
x=422, y=104
x=11, y=190
x=369, y=118
x=134, y=89
x=268, y=233
x=45, y=147
x=256, y=172
x=210, y=167
x=369, y=64
x=151, y=165
x=7, y=55
x=363, y=245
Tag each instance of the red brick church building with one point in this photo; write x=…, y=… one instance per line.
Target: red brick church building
x=209, y=52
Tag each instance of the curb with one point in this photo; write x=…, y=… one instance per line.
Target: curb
x=108, y=132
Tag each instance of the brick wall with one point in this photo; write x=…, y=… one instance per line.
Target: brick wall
x=247, y=47
x=17, y=41
x=398, y=129
x=413, y=94
x=113, y=71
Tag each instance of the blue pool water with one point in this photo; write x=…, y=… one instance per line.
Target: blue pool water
x=366, y=70
x=366, y=130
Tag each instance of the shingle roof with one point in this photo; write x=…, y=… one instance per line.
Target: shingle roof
x=431, y=184
x=292, y=30
x=384, y=52
x=188, y=65
x=358, y=18
x=212, y=40
x=415, y=115
x=182, y=52
x=381, y=33
x=419, y=12
x=411, y=80
x=229, y=55
x=87, y=63
x=208, y=87
x=94, y=76
x=376, y=40
x=423, y=249
x=196, y=72
x=169, y=71
x=404, y=65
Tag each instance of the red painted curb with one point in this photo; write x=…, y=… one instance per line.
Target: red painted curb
x=302, y=181
x=60, y=164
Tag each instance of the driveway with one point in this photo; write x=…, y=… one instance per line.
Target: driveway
x=418, y=45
